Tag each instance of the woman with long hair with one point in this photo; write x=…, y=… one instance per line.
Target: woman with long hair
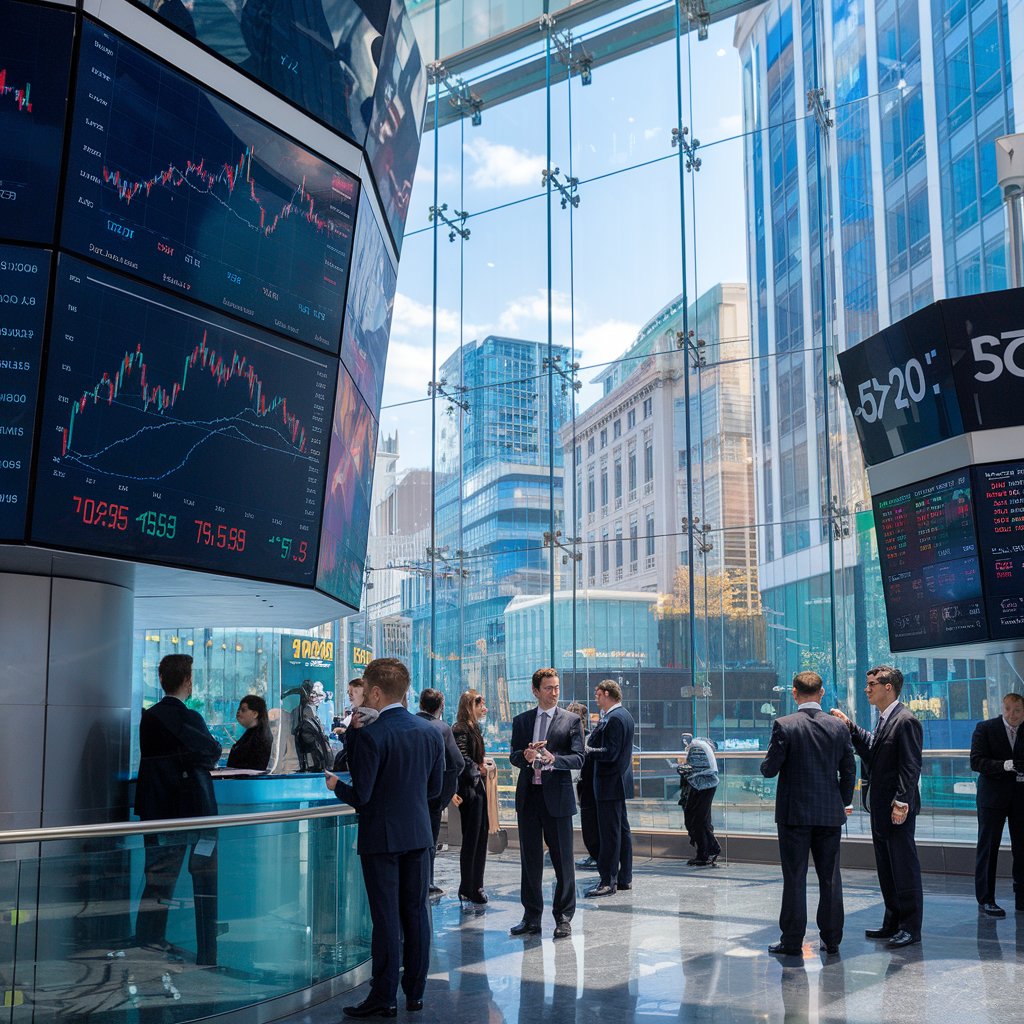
x=253, y=748
x=472, y=796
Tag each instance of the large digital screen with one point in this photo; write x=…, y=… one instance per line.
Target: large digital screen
x=169, y=182
x=371, y=302
x=319, y=54
x=177, y=435
x=393, y=142
x=347, y=500
x=928, y=552
x=999, y=502
x=24, y=277
x=35, y=64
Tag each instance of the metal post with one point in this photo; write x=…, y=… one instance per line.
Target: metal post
x=1010, y=173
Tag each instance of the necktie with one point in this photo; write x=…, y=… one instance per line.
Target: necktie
x=542, y=733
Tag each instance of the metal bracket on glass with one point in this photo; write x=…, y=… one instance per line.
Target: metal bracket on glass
x=700, y=533
x=570, y=548
x=567, y=373
x=439, y=389
x=455, y=223
x=689, y=147
x=436, y=72
x=447, y=570
x=819, y=105
x=567, y=189
x=695, y=346
x=839, y=516
x=546, y=23
x=464, y=100
x=574, y=55
x=695, y=11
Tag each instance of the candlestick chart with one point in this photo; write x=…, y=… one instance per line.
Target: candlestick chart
x=168, y=410
x=35, y=55
x=175, y=185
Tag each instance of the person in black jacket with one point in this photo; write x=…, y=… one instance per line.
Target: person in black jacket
x=997, y=755
x=585, y=797
x=471, y=795
x=890, y=772
x=253, y=748
x=432, y=708
x=311, y=743
x=174, y=781
x=812, y=755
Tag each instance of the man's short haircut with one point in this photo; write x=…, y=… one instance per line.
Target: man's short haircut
x=359, y=683
x=431, y=701
x=542, y=674
x=612, y=688
x=807, y=684
x=1017, y=697
x=390, y=676
x=886, y=674
x=175, y=670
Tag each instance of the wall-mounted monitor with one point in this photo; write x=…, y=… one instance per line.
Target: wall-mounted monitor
x=168, y=182
x=24, y=281
x=999, y=508
x=347, y=500
x=35, y=63
x=177, y=435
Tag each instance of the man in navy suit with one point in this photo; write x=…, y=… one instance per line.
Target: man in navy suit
x=177, y=753
x=812, y=755
x=397, y=767
x=611, y=747
x=997, y=755
x=890, y=772
x=547, y=747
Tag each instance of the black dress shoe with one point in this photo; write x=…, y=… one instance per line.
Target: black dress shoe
x=781, y=949
x=697, y=862
x=903, y=938
x=879, y=933
x=435, y=890
x=412, y=1005
x=479, y=899
x=992, y=909
x=525, y=928
x=588, y=864
x=600, y=890
x=563, y=929
x=370, y=1009
x=830, y=950
x=624, y=886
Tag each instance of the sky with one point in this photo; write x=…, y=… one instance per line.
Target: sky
x=615, y=261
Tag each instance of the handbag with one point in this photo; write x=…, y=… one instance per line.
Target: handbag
x=497, y=837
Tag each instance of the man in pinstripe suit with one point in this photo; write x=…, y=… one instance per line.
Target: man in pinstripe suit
x=814, y=762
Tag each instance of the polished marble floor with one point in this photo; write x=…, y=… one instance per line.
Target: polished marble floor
x=688, y=944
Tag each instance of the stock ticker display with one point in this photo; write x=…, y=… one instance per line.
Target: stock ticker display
x=931, y=576
x=24, y=276
x=174, y=434
x=35, y=61
x=171, y=183
x=999, y=504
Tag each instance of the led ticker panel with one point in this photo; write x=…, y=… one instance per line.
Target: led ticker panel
x=173, y=434
x=371, y=302
x=24, y=275
x=35, y=61
x=929, y=560
x=170, y=183
x=347, y=501
x=999, y=502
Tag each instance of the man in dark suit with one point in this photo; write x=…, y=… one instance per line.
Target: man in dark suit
x=997, y=754
x=432, y=708
x=397, y=767
x=890, y=773
x=611, y=747
x=547, y=747
x=177, y=753
x=812, y=755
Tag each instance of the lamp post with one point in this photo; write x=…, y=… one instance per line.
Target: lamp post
x=1010, y=173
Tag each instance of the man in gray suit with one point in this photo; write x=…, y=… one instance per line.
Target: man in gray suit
x=546, y=747
x=812, y=755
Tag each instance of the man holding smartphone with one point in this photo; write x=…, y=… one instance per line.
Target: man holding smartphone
x=547, y=747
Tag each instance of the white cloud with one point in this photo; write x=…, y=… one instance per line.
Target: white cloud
x=603, y=342
x=731, y=124
x=501, y=166
x=533, y=309
x=652, y=133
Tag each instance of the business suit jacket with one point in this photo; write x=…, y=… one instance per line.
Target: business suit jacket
x=397, y=767
x=811, y=753
x=613, y=756
x=990, y=747
x=454, y=762
x=565, y=741
x=177, y=753
x=891, y=766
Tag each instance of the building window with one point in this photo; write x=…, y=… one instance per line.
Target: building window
x=631, y=419
x=591, y=556
x=648, y=460
x=634, y=544
x=591, y=502
x=579, y=454
x=604, y=551
x=618, y=545
x=604, y=438
x=631, y=471
x=616, y=429
x=617, y=480
x=590, y=446
x=649, y=542
x=604, y=486
x=648, y=408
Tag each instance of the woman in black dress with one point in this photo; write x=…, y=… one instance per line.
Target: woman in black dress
x=254, y=746
x=472, y=793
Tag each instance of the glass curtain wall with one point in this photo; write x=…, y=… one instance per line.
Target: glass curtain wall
x=612, y=374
